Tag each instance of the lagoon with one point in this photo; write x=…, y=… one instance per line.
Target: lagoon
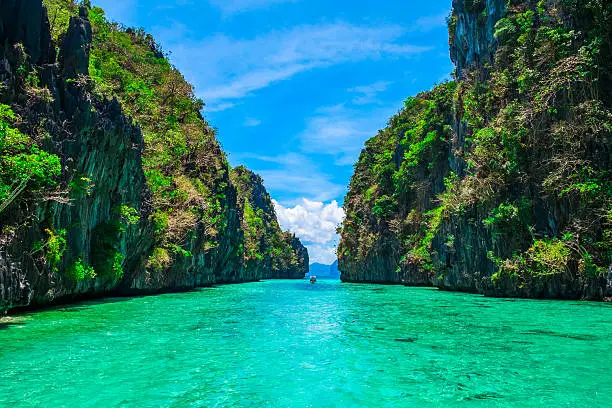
x=293, y=344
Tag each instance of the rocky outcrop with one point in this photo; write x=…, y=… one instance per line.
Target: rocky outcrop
x=384, y=210
x=475, y=185
x=298, y=268
x=471, y=29
x=76, y=45
x=100, y=219
x=270, y=253
x=26, y=22
x=376, y=265
x=94, y=140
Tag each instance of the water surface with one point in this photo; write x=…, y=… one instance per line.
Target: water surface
x=292, y=344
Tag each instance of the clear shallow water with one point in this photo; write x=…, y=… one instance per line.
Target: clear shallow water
x=292, y=344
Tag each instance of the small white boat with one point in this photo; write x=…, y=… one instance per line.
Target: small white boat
x=313, y=279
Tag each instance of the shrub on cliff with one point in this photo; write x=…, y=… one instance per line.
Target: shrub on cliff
x=266, y=247
x=185, y=167
x=25, y=169
x=523, y=147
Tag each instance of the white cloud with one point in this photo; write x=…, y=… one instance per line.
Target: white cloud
x=323, y=254
x=293, y=173
x=252, y=122
x=253, y=81
x=315, y=223
x=317, y=185
x=428, y=23
x=367, y=93
x=341, y=131
x=335, y=134
x=219, y=107
x=229, y=69
x=238, y=6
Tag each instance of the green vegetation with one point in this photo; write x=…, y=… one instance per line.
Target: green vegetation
x=422, y=253
x=80, y=186
x=253, y=231
x=513, y=155
x=117, y=266
x=185, y=167
x=266, y=248
x=116, y=176
x=60, y=12
x=52, y=248
x=26, y=170
x=159, y=260
x=545, y=258
x=509, y=219
x=129, y=215
x=400, y=167
x=79, y=271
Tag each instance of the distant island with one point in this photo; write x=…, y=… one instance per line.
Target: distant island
x=325, y=271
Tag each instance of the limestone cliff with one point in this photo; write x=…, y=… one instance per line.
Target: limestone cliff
x=471, y=32
x=110, y=179
x=269, y=252
x=498, y=182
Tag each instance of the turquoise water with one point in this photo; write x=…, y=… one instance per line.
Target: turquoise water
x=292, y=344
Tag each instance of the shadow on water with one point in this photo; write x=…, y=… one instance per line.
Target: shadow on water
x=407, y=340
x=4, y=325
x=88, y=304
x=484, y=396
x=67, y=306
x=583, y=337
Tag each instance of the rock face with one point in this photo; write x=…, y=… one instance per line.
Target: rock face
x=499, y=182
x=26, y=22
x=76, y=46
x=270, y=253
x=299, y=261
x=101, y=221
x=471, y=29
x=92, y=137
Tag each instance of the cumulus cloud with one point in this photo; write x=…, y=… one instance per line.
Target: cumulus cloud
x=323, y=254
x=315, y=223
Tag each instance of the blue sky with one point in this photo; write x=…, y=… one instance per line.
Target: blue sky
x=295, y=87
